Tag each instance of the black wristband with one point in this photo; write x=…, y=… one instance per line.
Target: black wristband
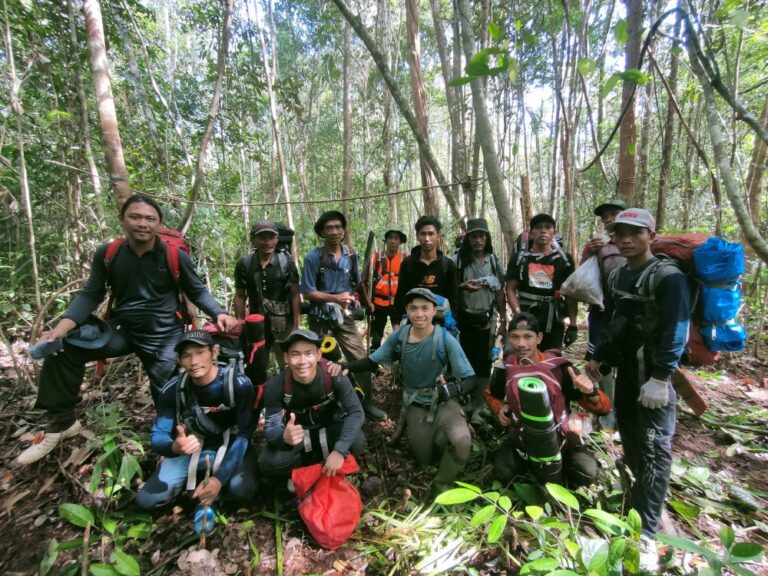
x=595, y=392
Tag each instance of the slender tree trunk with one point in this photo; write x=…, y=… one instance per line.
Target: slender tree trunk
x=387, y=140
x=429, y=193
x=526, y=208
x=105, y=104
x=346, y=163
x=18, y=112
x=221, y=64
x=402, y=105
x=485, y=133
x=757, y=170
x=628, y=129
x=750, y=232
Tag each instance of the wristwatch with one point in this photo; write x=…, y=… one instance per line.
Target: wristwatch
x=595, y=392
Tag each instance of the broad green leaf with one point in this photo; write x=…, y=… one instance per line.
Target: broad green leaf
x=109, y=524
x=562, y=495
x=635, y=522
x=599, y=561
x=687, y=510
x=49, y=558
x=563, y=573
x=740, y=571
x=513, y=68
x=76, y=514
x=70, y=544
x=460, y=81
x=102, y=570
x=125, y=564
x=616, y=550
x=58, y=114
x=483, y=515
x=139, y=531
x=609, y=85
x=632, y=557
x=636, y=76
x=608, y=518
x=746, y=552
x=586, y=66
x=685, y=545
x=129, y=468
x=95, y=481
x=705, y=571
x=495, y=31
x=505, y=503
x=727, y=536
x=572, y=547
x=491, y=496
x=469, y=486
x=620, y=32
x=456, y=496
x=534, y=511
x=528, y=493
x=497, y=528
x=540, y=565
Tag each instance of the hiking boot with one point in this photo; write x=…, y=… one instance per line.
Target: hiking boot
x=45, y=442
x=374, y=412
x=649, y=556
x=204, y=514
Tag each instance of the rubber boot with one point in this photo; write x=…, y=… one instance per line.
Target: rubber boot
x=608, y=386
x=372, y=411
x=477, y=403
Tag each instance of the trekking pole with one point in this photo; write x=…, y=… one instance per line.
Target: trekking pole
x=205, y=516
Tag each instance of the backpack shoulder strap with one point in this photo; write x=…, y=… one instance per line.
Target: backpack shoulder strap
x=287, y=387
x=229, y=388
x=438, y=345
x=181, y=396
x=172, y=259
x=111, y=251
x=402, y=340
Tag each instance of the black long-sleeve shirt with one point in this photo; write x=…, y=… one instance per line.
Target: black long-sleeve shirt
x=144, y=289
x=439, y=276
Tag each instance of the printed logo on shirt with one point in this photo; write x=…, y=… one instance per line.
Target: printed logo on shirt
x=541, y=276
x=429, y=280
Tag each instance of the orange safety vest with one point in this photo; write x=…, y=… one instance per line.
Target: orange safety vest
x=386, y=272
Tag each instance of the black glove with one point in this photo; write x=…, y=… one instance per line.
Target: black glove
x=570, y=336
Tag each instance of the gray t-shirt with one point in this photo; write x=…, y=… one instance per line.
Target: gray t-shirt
x=417, y=368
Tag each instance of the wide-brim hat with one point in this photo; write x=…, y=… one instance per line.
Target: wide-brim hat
x=395, y=228
x=297, y=335
x=93, y=333
x=326, y=217
x=613, y=203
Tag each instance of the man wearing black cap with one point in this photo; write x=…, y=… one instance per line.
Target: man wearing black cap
x=330, y=280
x=534, y=276
x=385, y=282
x=268, y=281
x=436, y=425
x=310, y=416
x=602, y=247
x=204, y=424
x=481, y=302
x=145, y=317
x=569, y=457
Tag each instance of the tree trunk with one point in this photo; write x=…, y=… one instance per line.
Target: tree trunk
x=221, y=63
x=628, y=128
x=484, y=133
x=526, y=208
x=402, y=105
x=756, y=171
x=105, y=104
x=389, y=175
x=641, y=190
x=429, y=193
x=750, y=232
x=346, y=137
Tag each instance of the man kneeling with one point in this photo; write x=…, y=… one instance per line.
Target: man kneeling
x=531, y=397
x=311, y=417
x=210, y=409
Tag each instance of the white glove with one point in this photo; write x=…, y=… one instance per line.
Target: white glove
x=654, y=393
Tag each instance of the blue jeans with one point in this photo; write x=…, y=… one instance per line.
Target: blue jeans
x=646, y=436
x=170, y=479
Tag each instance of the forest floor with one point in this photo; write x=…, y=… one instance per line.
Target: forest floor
x=727, y=447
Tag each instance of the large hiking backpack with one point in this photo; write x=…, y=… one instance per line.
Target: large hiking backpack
x=523, y=253
x=285, y=238
x=174, y=241
x=314, y=416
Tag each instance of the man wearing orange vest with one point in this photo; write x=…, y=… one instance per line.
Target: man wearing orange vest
x=386, y=273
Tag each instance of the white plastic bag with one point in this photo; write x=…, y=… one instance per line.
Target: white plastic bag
x=585, y=285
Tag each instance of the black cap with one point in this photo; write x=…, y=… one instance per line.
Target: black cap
x=425, y=293
x=326, y=217
x=301, y=334
x=200, y=337
x=524, y=321
x=263, y=226
x=477, y=225
x=540, y=218
x=613, y=203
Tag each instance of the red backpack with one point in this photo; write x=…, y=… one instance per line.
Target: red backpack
x=543, y=371
x=330, y=505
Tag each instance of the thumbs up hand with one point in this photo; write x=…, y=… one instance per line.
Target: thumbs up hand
x=293, y=435
x=581, y=382
x=184, y=444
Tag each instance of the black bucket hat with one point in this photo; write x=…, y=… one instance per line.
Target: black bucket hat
x=91, y=334
x=326, y=217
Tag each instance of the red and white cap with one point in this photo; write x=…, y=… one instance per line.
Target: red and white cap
x=638, y=217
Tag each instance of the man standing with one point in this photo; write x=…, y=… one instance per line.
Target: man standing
x=481, y=297
x=436, y=425
x=386, y=276
x=269, y=282
x=602, y=247
x=311, y=416
x=427, y=266
x=534, y=276
x=145, y=318
x=204, y=423
x=329, y=280
x=645, y=340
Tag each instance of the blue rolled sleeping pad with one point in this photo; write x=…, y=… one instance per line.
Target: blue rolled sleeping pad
x=540, y=434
